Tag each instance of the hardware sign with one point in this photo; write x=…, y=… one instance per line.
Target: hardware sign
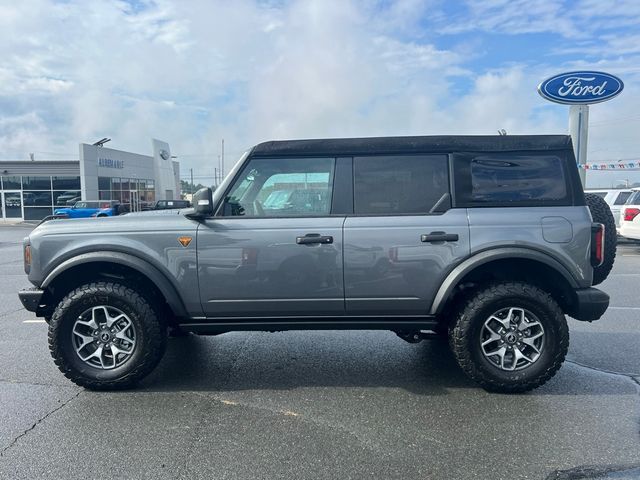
x=580, y=88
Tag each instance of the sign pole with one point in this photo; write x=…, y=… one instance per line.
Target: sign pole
x=579, y=131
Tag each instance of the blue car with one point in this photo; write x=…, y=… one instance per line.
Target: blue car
x=92, y=208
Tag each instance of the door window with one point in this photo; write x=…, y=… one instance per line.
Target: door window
x=282, y=187
x=409, y=184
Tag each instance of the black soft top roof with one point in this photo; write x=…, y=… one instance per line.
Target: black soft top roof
x=423, y=144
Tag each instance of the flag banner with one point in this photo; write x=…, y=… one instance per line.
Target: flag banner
x=635, y=165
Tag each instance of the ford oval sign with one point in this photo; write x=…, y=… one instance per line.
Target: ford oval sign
x=580, y=88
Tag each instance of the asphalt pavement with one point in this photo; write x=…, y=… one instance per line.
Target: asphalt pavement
x=316, y=405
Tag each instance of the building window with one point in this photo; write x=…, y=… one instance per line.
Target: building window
x=36, y=198
x=66, y=183
x=104, y=183
x=11, y=183
x=36, y=183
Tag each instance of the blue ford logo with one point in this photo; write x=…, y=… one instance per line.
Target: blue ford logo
x=580, y=88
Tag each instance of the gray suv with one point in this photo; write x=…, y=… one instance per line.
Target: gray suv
x=487, y=241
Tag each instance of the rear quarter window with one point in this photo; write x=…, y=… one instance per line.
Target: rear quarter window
x=622, y=198
x=633, y=199
x=511, y=179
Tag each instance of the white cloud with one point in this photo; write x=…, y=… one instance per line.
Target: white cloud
x=193, y=72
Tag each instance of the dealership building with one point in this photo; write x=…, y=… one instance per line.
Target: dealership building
x=31, y=190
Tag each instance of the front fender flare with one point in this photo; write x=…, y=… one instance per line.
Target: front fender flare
x=487, y=256
x=145, y=268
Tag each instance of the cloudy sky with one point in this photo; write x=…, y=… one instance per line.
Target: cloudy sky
x=192, y=72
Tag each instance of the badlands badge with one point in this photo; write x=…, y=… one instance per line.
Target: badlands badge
x=185, y=241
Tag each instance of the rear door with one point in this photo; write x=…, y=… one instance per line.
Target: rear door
x=261, y=258
x=403, y=236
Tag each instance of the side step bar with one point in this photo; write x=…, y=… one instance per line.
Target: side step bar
x=215, y=326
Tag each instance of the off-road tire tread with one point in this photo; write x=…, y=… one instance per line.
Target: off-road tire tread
x=458, y=336
x=156, y=331
x=601, y=213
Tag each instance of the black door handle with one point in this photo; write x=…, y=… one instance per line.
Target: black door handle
x=435, y=237
x=314, y=238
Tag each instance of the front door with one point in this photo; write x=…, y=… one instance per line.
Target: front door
x=12, y=204
x=403, y=237
x=274, y=248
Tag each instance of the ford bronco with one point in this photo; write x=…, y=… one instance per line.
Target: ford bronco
x=488, y=241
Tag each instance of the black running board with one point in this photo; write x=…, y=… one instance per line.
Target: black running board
x=215, y=326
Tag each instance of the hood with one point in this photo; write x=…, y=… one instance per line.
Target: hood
x=150, y=221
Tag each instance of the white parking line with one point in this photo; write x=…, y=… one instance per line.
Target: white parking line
x=34, y=321
x=624, y=308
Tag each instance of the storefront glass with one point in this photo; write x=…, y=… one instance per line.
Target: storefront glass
x=35, y=197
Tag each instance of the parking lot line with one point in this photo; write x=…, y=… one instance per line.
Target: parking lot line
x=33, y=321
x=624, y=308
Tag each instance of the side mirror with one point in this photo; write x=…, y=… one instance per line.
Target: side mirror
x=203, y=203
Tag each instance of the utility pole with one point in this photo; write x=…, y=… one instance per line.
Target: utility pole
x=218, y=170
x=191, y=187
x=222, y=161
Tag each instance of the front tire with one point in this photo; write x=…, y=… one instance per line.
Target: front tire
x=106, y=336
x=510, y=337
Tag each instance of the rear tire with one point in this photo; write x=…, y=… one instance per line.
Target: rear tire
x=529, y=311
x=601, y=213
x=106, y=336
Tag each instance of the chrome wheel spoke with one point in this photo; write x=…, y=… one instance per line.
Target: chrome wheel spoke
x=518, y=355
x=524, y=325
x=116, y=350
x=85, y=339
x=122, y=335
x=516, y=315
x=97, y=353
x=531, y=343
x=493, y=338
x=90, y=324
x=502, y=321
x=112, y=320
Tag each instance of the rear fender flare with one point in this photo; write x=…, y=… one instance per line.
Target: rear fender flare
x=462, y=269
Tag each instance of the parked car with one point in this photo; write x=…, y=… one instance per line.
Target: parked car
x=171, y=204
x=615, y=198
x=13, y=199
x=295, y=201
x=90, y=208
x=629, y=217
x=487, y=240
x=71, y=196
